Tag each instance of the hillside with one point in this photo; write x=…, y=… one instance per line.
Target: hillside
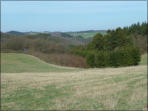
x=42, y=87
x=51, y=37
x=15, y=33
x=52, y=49
x=16, y=63
x=86, y=34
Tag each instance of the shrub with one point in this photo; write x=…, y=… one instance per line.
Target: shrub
x=61, y=59
x=90, y=59
x=80, y=50
x=135, y=53
x=102, y=59
x=125, y=56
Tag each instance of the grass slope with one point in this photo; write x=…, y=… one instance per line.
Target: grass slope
x=16, y=63
x=92, y=89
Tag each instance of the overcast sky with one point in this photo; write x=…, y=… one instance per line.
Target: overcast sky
x=70, y=16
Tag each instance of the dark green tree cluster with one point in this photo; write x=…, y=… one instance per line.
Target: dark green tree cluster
x=140, y=29
x=139, y=33
x=113, y=49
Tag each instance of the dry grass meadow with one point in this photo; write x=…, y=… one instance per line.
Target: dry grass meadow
x=90, y=89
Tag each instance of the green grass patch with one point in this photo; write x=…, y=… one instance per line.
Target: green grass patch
x=17, y=63
x=29, y=99
x=143, y=59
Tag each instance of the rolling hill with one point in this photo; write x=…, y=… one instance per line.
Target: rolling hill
x=15, y=33
x=18, y=63
x=84, y=34
x=87, y=34
x=58, y=37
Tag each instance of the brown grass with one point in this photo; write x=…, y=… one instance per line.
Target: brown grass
x=88, y=88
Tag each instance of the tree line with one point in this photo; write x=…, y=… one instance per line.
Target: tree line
x=118, y=47
x=45, y=46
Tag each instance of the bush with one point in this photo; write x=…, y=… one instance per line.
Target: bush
x=61, y=59
x=135, y=53
x=125, y=57
x=90, y=59
x=79, y=50
x=102, y=59
x=122, y=57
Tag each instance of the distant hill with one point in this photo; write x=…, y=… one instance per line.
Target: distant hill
x=61, y=37
x=88, y=31
x=15, y=33
x=87, y=34
x=60, y=34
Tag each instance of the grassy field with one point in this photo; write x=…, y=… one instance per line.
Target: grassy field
x=86, y=34
x=16, y=63
x=91, y=89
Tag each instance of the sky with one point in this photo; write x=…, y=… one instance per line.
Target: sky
x=65, y=16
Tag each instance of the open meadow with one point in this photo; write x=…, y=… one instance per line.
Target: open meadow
x=74, y=55
x=31, y=84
